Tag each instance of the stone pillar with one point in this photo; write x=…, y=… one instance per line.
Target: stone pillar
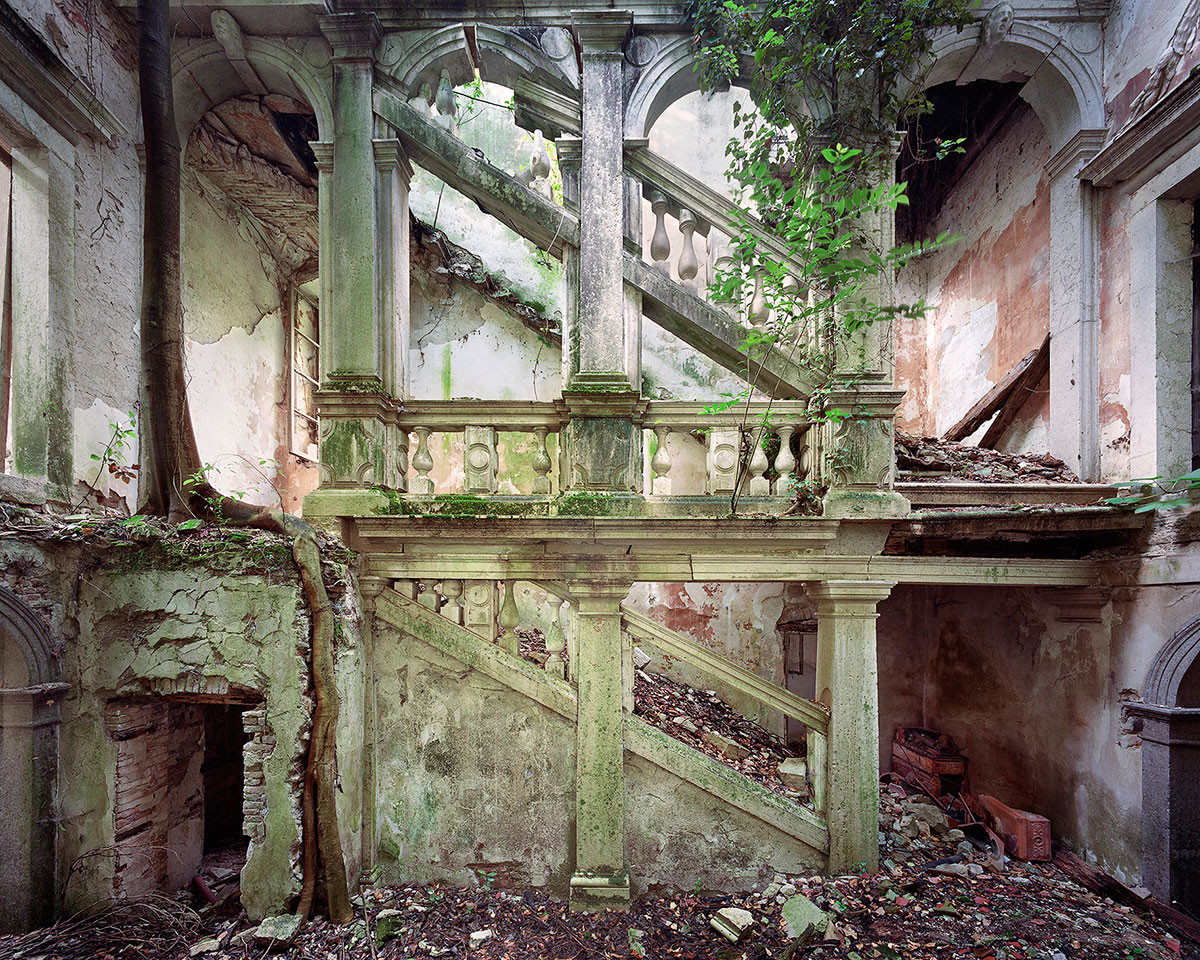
x=1074, y=309
x=602, y=354
x=570, y=155
x=393, y=176
x=848, y=683
x=370, y=588
x=355, y=348
x=859, y=452
x=1160, y=339
x=600, y=879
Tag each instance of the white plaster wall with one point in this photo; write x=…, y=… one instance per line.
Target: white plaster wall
x=235, y=354
x=1137, y=33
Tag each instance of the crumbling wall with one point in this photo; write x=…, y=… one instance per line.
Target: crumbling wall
x=1114, y=347
x=1137, y=39
x=145, y=634
x=989, y=293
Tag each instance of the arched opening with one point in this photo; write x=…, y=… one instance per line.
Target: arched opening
x=975, y=166
x=29, y=688
x=1170, y=730
x=251, y=294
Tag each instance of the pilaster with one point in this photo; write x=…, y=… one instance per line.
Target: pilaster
x=355, y=344
x=600, y=879
x=848, y=683
x=362, y=444
x=603, y=354
x=369, y=588
x=393, y=174
x=860, y=453
x=602, y=441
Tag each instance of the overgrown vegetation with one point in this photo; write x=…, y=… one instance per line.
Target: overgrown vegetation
x=812, y=161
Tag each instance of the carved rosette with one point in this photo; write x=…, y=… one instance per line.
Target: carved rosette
x=480, y=460
x=724, y=450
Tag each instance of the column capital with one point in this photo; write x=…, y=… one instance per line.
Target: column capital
x=353, y=36
x=373, y=586
x=601, y=31
x=599, y=596
x=323, y=153
x=849, y=598
x=389, y=156
x=569, y=151
x=1076, y=153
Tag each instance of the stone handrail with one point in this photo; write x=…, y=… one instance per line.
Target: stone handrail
x=813, y=715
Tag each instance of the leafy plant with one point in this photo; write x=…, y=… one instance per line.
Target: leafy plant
x=1157, y=493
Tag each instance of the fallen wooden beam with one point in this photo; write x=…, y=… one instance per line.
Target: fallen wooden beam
x=1025, y=385
x=986, y=407
x=1092, y=878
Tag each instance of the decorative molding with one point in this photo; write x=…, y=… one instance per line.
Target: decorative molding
x=353, y=36
x=1144, y=142
x=601, y=31
x=1168, y=668
x=1076, y=604
x=1081, y=148
x=41, y=77
x=389, y=156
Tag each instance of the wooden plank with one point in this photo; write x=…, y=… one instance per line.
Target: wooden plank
x=739, y=678
x=990, y=402
x=1034, y=374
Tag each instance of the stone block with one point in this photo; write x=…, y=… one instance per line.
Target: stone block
x=730, y=748
x=793, y=772
x=388, y=924
x=803, y=919
x=731, y=922
x=278, y=931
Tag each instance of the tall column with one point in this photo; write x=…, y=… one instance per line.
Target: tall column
x=848, y=683
x=602, y=442
x=355, y=349
x=1074, y=309
x=393, y=176
x=600, y=878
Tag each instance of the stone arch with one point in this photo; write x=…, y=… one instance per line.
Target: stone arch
x=204, y=77
x=1169, y=667
x=669, y=76
x=1170, y=732
x=29, y=757
x=505, y=56
x=25, y=629
x=1062, y=87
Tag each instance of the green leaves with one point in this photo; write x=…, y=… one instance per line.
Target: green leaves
x=1151, y=494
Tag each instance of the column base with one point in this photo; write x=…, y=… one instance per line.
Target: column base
x=593, y=892
x=864, y=504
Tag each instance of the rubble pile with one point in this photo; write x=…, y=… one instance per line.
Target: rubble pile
x=931, y=459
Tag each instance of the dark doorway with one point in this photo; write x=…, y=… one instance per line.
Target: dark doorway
x=224, y=776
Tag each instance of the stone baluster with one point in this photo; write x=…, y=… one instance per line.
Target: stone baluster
x=785, y=461
x=422, y=462
x=759, y=311
x=452, y=610
x=479, y=466
x=723, y=454
x=660, y=463
x=541, y=462
x=446, y=106
x=556, y=644
x=688, y=264
x=759, y=485
x=660, y=243
x=508, y=620
x=428, y=597
x=804, y=459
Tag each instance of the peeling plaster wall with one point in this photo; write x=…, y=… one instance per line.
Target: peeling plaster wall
x=989, y=293
x=1114, y=347
x=236, y=353
x=475, y=777
x=128, y=629
x=1137, y=33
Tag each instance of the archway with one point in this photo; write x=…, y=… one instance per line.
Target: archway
x=1170, y=716
x=29, y=687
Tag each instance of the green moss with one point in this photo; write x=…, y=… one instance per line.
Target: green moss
x=458, y=505
x=351, y=383
x=584, y=504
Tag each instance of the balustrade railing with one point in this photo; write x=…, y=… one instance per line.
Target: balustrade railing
x=504, y=444
x=741, y=453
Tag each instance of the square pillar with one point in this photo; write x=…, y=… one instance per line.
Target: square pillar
x=600, y=879
x=603, y=354
x=848, y=683
x=859, y=453
x=1074, y=309
x=354, y=347
x=393, y=174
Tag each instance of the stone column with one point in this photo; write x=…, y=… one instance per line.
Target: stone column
x=370, y=588
x=600, y=879
x=1074, y=309
x=355, y=349
x=848, y=683
x=393, y=176
x=570, y=155
x=602, y=198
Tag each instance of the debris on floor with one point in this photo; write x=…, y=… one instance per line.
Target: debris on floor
x=932, y=459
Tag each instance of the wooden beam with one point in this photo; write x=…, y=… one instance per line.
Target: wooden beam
x=1032, y=375
x=990, y=402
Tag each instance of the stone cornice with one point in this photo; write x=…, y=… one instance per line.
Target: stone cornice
x=389, y=155
x=46, y=82
x=353, y=36
x=1144, y=141
x=601, y=31
x=1081, y=148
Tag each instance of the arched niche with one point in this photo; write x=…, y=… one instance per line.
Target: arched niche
x=1061, y=86
x=30, y=685
x=1170, y=731
x=505, y=56
x=204, y=77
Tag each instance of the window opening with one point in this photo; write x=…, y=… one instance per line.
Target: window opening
x=305, y=364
